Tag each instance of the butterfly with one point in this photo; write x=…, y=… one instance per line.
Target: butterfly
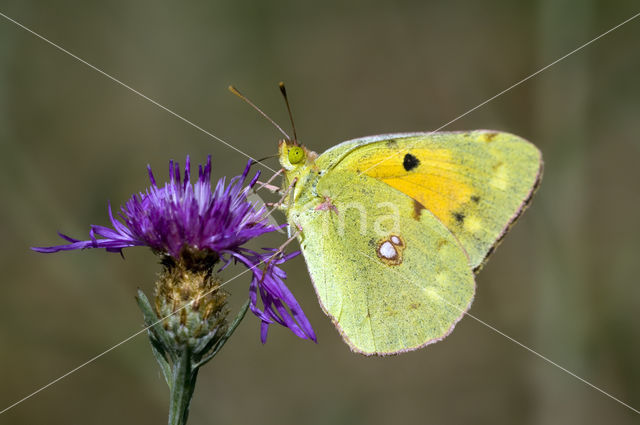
x=394, y=227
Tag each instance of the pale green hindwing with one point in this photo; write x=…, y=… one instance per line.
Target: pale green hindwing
x=476, y=183
x=389, y=281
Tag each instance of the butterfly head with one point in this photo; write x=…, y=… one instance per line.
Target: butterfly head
x=293, y=155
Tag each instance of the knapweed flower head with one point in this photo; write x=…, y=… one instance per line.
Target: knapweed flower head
x=195, y=227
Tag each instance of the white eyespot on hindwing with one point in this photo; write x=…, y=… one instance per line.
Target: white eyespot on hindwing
x=389, y=250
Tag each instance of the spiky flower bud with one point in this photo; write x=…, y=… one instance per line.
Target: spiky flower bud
x=195, y=294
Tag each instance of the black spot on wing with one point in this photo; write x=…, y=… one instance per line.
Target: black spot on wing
x=410, y=162
x=475, y=198
x=458, y=216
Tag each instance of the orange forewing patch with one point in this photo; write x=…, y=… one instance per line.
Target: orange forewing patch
x=437, y=182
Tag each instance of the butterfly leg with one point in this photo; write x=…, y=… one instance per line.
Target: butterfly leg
x=284, y=195
x=291, y=189
x=269, y=186
x=278, y=204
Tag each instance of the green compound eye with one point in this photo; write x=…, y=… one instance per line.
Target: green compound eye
x=296, y=154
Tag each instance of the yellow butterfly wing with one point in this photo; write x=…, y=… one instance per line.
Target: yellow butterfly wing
x=389, y=282
x=476, y=183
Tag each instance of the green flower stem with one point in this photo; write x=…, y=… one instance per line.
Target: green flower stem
x=183, y=382
x=185, y=372
x=180, y=362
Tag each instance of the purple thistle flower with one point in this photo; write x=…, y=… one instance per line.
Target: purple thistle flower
x=181, y=218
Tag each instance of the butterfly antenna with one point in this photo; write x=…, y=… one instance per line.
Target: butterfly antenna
x=254, y=162
x=286, y=100
x=243, y=97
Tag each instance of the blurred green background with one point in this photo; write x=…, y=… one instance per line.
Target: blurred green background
x=564, y=282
